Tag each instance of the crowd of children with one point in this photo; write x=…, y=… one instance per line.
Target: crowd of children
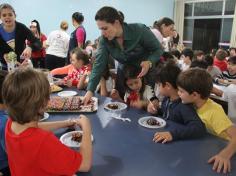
x=180, y=94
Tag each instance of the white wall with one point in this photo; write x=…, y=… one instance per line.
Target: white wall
x=49, y=13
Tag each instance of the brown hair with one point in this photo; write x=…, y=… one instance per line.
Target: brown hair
x=26, y=94
x=221, y=54
x=109, y=14
x=81, y=55
x=7, y=6
x=64, y=25
x=232, y=60
x=196, y=80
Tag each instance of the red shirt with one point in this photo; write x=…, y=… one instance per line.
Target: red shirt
x=36, y=152
x=222, y=65
x=76, y=74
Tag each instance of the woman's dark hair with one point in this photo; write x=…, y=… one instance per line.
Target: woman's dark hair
x=108, y=14
x=166, y=21
x=81, y=55
x=78, y=17
x=37, y=26
x=132, y=72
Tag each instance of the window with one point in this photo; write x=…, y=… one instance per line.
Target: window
x=188, y=9
x=188, y=32
x=229, y=7
x=226, y=28
x=208, y=8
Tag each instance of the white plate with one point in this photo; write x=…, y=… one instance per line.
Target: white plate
x=67, y=93
x=143, y=122
x=45, y=116
x=66, y=139
x=121, y=106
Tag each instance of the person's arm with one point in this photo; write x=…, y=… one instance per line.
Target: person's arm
x=151, y=44
x=80, y=37
x=193, y=127
x=62, y=70
x=50, y=126
x=99, y=66
x=86, y=144
x=103, y=88
x=82, y=82
x=222, y=159
x=35, y=43
x=44, y=39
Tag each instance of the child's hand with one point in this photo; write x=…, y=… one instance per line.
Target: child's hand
x=82, y=122
x=137, y=104
x=221, y=162
x=114, y=94
x=162, y=137
x=68, y=83
x=153, y=106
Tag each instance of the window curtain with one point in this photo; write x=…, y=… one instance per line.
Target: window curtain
x=233, y=33
x=179, y=18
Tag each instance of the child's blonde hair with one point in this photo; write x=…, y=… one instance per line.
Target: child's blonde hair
x=25, y=94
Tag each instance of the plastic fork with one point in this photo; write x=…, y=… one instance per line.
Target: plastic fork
x=123, y=119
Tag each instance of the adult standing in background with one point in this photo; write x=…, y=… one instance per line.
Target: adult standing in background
x=13, y=35
x=129, y=44
x=78, y=36
x=38, y=57
x=57, y=47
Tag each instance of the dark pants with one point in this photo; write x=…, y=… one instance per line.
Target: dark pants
x=6, y=171
x=38, y=62
x=53, y=62
x=120, y=80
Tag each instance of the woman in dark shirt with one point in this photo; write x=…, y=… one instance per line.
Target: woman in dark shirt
x=13, y=35
x=129, y=44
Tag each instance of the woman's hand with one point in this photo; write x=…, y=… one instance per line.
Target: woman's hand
x=145, y=68
x=87, y=97
x=27, y=52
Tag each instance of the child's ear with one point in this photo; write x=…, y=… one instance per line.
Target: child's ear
x=195, y=94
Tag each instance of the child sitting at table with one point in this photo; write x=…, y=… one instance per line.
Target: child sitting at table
x=77, y=72
x=30, y=148
x=220, y=59
x=228, y=76
x=187, y=57
x=195, y=86
x=137, y=94
x=173, y=109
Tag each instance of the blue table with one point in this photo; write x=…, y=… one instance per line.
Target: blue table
x=126, y=149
